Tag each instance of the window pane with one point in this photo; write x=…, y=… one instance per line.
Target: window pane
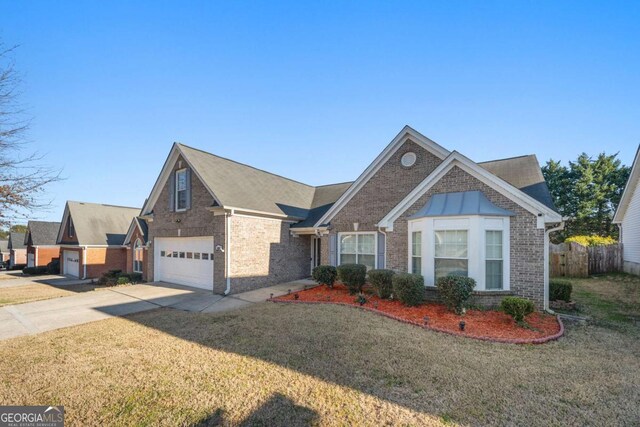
x=348, y=244
x=205, y=256
x=494, y=275
x=494, y=244
x=368, y=260
x=162, y=253
x=196, y=255
x=451, y=243
x=416, y=265
x=347, y=259
x=416, y=246
x=181, y=180
x=451, y=267
x=366, y=244
x=181, y=254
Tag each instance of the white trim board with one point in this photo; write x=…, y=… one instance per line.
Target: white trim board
x=629, y=189
x=455, y=159
x=405, y=134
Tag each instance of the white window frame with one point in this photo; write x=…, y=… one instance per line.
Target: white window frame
x=476, y=227
x=176, y=192
x=375, y=250
x=411, y=254
x=137, y=246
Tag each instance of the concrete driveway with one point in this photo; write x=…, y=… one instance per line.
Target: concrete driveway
x=41, y=316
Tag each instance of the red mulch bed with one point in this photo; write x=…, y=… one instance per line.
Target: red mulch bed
x=487, y=325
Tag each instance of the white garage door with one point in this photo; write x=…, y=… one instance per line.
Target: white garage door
x=184, y=260
x=71, y=263
x=31, y=260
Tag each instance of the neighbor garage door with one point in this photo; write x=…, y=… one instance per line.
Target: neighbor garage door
x=71, y=263
x=184, y=260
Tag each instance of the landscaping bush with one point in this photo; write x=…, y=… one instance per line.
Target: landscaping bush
x=560, y=290
x=517, y=307
x=455, y=291
x=54, y=266
x=382, y=283
x=591, y=240
x=408, y=288
x=135, y=277
x=123, y=280
x=34, y=271
x=325, y=275
x=353, y=276
x=112, y=273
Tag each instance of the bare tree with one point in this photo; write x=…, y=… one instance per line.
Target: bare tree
x=23, y=177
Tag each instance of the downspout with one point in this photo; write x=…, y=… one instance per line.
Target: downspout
x=546, y=263
x=227, y=250
x=84, y=262
x=384, y=233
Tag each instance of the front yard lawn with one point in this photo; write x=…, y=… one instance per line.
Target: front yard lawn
x=296, y=364
x=40, y=291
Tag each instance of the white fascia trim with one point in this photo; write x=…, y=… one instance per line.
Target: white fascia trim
x=629, y=189
x=222, y=210
x=406, y=133
x=167, y=168
x=308, y=230
x=127, y=239
x=65, y=215
x=498, y=184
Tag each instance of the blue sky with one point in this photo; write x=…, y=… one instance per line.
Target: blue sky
x=315, y=91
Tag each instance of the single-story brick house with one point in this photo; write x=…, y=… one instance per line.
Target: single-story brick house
x=91, y=238
x=17, y=250
x=225, y=226
x=4, y=251
x=627, y=217
x=41, y=244
x=136, y=246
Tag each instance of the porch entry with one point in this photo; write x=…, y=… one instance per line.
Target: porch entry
x=315, y=252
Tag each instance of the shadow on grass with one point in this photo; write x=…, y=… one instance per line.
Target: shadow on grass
x=279, y=410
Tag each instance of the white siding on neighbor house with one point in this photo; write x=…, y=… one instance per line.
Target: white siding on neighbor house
x=631, y=228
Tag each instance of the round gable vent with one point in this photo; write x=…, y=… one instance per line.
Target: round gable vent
x=408, y=159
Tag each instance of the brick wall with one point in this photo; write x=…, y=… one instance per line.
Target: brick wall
x=263, y=253
x=45, y=254
x=197, y=221
x=101, y=260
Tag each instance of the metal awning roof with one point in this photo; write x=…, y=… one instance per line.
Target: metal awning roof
x=461, y=203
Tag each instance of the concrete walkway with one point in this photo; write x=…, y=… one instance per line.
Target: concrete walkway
x=41, y=316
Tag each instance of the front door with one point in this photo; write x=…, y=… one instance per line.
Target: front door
x=315, y=252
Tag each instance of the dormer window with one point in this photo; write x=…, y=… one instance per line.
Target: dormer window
x=181, y=190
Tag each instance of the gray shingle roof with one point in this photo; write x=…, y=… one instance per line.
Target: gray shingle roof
x=325, y=196
x=43, y=232
x=4, y=246
x=237, y=185
x=525, y=174
x=16, y=240
x=97, y=224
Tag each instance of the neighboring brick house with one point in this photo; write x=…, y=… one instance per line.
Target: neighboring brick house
x=41, y=244
x=628, y=219
x=225, y=226
x=136, y=246
x=17, y=251
x=4, y=253
x=91, y=238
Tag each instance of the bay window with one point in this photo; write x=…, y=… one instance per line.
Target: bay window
x=358, y=248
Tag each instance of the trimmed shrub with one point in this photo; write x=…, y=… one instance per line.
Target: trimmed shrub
x=560, y=290
x=113, y=273
x=382, y=282
x=408, y=288
x=135, y=277
x=353, y=276
x=123, y=280
x=34, y=271
x=325, y=275
x=591, y=240
x=517, y=307
x=455, y=291
x=54, y=266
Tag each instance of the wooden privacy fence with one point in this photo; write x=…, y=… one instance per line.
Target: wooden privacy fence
x=574, y=260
